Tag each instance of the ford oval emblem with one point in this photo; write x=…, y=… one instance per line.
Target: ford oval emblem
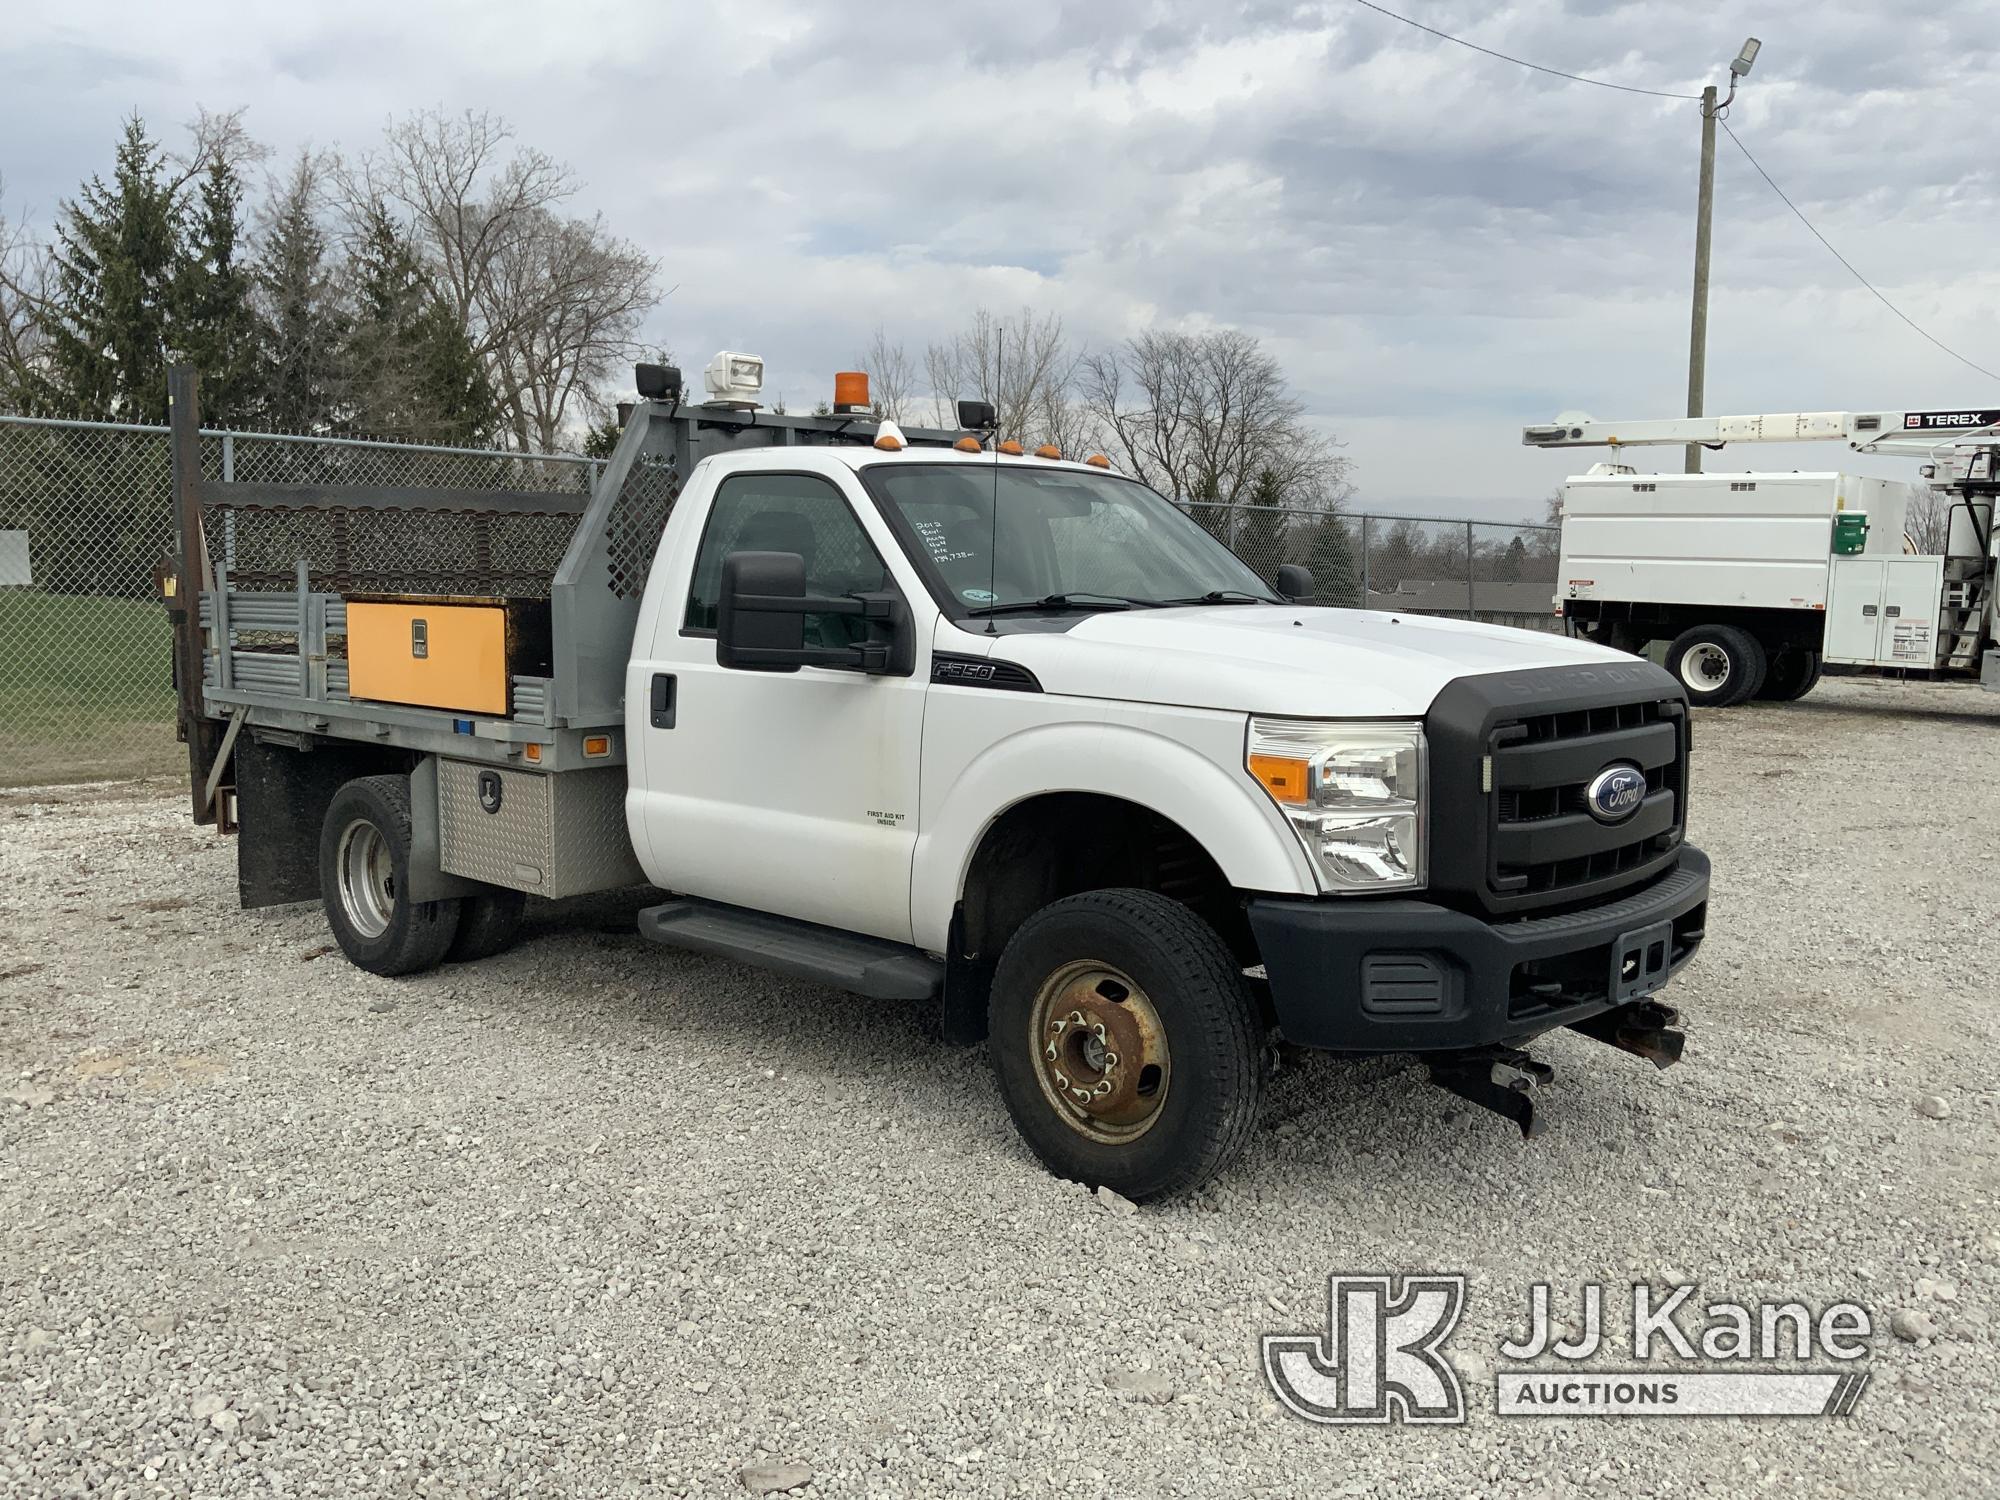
x=1615, y=793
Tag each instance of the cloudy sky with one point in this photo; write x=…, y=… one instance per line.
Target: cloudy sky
x=1440, y=247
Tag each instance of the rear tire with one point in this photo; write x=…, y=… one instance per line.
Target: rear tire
x=1127, y=1043
x=1793, y=674
x=488, y=924
x=364, y=869
x=1718, y=665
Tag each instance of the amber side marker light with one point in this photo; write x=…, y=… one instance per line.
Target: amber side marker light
x=532, y=754
x=596, y=746
x=1283, y=777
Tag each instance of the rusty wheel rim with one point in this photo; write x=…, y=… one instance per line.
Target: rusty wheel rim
x=1100, y=1052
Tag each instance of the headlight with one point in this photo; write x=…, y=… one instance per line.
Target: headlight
x=1354, y=794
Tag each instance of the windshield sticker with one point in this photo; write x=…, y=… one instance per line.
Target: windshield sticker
x=936, y=543
x=977, y=596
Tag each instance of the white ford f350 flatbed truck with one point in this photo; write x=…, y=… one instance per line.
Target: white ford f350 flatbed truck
x=924, y=717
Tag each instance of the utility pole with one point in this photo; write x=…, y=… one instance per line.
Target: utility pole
x=1704, y=216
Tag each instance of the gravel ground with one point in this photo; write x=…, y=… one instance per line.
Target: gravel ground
x=601, y=1220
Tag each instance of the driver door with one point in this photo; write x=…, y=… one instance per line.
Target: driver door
x=786, y=791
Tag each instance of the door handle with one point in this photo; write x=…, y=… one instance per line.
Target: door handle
x=662, y=706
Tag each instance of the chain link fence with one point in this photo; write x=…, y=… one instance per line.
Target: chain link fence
x=1500, y=572
x=86, y=514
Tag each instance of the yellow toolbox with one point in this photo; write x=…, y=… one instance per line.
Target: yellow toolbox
x=444, y=651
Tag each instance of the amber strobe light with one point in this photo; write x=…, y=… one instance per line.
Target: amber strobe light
x=850, y=391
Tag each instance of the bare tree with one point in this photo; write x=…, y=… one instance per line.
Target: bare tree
x=1927, y=521
x=574, y=297
x=1025, y=365
x=24, y=267
x=550, y=303
x=1209, y=417
x=892, y=377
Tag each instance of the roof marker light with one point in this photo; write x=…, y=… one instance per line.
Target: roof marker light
x=889, y=438
x=1048, y=450
x=1011, y=448
x=967, y=445
x=1098, y=461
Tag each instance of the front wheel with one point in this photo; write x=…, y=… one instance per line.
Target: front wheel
x=1126, y=1043
x=1719, y=665
x=364, y=872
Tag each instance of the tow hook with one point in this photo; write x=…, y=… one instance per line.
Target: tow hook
x=1641, y=1027
x=1502, y=1079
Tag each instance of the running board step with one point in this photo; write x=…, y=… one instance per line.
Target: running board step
x=874, y=967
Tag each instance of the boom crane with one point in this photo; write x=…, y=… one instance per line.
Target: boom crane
x=1753, y=594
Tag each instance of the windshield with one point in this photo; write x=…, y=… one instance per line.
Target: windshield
x=1101, y=540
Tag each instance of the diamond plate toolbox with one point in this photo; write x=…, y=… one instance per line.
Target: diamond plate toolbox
x=549, y=834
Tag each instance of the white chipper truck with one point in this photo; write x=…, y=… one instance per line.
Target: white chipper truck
x=1755, y=580
x=924, y=717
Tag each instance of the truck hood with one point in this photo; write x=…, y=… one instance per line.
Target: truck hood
x=1306, y=662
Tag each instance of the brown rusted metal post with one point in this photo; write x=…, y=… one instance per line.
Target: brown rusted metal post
x=189, y=578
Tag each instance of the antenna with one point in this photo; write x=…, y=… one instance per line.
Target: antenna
x=993, y=550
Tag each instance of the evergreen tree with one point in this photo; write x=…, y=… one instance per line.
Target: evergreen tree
x=115, y=257
x=1260, y=531
x=302, y=323
x=210, y=320
x=1507, y=567
x=1330, y=555
x=410, y=368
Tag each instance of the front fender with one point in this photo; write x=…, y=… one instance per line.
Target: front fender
x=1177, y=764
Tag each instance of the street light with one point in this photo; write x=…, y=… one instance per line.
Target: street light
x=1704, y=214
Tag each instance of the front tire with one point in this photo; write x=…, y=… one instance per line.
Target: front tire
x=364, y=871
x=1718, y=665
x=1126, y=1043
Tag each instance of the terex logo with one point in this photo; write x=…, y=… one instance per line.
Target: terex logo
x=1378, y=1361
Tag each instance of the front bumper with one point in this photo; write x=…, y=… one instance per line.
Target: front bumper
x=1412, y=976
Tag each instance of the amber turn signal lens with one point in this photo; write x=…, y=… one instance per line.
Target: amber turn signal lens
x=850, y=388
x=1282, y=776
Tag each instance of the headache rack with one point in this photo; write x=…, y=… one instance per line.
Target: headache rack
x=265, y=568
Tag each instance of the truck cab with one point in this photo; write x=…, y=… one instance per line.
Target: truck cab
x=929, y=718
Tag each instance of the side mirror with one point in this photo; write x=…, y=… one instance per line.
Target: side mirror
x=1295, y=583
x=760, y=618
x=760, y=621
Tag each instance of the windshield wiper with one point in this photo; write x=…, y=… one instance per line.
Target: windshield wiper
x=1221, y=596
x=1084, y=600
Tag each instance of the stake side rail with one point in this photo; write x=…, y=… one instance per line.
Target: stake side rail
x=260, y=632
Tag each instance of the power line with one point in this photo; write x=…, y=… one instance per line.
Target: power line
x=1623, y=88
x=1969, y=364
